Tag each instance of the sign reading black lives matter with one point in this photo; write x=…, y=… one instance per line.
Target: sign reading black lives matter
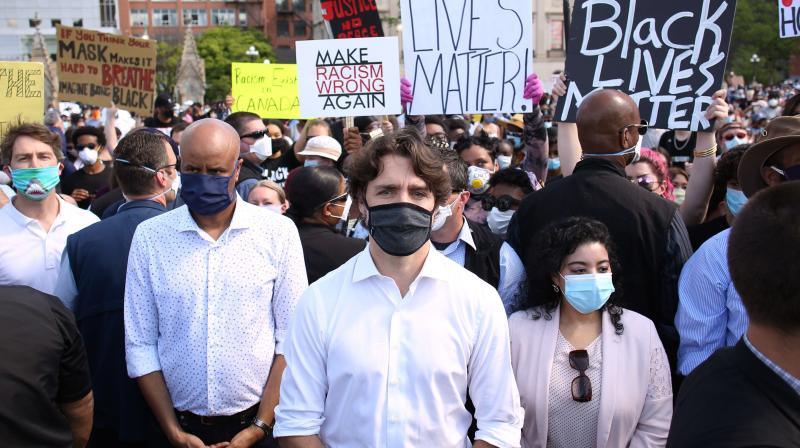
x=669, y=56
x=467, y=56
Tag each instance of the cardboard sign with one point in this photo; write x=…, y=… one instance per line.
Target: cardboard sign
x=97, y=68
x=352, y=19
x=349, y=77
x=21, y=93
x=269, y=90
x=789, y=18
x=668, y=56
x=467, y=56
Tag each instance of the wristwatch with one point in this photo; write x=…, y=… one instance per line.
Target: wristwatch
x=262, y=426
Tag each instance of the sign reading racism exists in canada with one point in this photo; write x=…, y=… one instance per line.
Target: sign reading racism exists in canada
x=97, y=68
x=467, y=56
x=352, y=18
x=269, y=90
x=349, y=77
x=669, y=56
x=21, y=93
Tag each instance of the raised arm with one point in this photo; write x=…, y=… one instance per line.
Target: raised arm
x=569, y=147
x=110, y=128
x=534, y=134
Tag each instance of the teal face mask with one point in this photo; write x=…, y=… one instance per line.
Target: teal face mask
x=588, y=292
x=35, y=183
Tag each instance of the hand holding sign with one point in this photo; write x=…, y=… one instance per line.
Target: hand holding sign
x=406, y=96
x=718, y=109
x=533, y=89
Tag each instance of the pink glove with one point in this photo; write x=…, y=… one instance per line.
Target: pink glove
x=405, y=93
x=533, y=89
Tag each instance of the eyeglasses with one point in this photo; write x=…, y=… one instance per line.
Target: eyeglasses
x=144, y=167
x=581, y=385
x=642, y=127
x=341, y=197
x=257, y=135
x=740, y=135
x=87, y=146
x=649, y=182
x=503, y=203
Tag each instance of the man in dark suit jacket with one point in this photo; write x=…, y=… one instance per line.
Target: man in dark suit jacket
x=749, y=395
x=92, y=284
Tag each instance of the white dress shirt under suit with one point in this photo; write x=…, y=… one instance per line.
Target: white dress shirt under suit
x=369, y=368
x=209, y=314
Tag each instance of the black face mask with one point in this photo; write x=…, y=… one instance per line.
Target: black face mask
x=400, y=229
x=279, y=145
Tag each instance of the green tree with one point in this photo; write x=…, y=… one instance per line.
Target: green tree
x=168, y=60
x=221, y=46
x=755, y=31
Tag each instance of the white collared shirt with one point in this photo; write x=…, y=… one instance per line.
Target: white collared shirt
x=367, y=367
x=209, y=314
x=29, y=255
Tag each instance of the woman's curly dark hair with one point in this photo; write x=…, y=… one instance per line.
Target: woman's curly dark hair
x=550, y=248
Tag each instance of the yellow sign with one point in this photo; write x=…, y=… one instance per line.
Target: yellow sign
x=21, y=93
x=269, y=90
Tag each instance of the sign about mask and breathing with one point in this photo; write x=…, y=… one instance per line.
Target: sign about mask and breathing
x=21, y=93
x=269, y=90
x=789, y=18
x=98, y=68
x=349, y=77
x=668, y=56
x=467, y=56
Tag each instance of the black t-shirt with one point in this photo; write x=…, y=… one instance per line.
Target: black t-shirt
x=700, y=233
x=90, y=182
x=276, y=170
x=155, y=122
x=43, y=365
x=680, y=151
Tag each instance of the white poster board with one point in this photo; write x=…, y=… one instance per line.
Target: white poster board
x=789, y=18
x=349, y=77
x=467, y=56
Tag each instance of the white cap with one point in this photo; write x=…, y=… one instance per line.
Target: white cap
x=323, y=146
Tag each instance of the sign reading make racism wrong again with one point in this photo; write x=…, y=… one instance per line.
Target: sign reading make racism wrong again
x=352, y=18
x=669, y=56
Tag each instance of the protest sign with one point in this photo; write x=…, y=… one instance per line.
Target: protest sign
x=467, y=56
x=352, y=18
x=269, y=90
x=97, y=68
x=349, y=77
x=789, y=18
x=668, y=56
x=21, y=93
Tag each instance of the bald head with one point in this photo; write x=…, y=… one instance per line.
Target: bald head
x=601, y=116
x=209, y=146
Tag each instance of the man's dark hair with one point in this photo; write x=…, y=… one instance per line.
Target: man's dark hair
x=435, y=119
x=237, y=120
x=367, y=165
x=456, y=170
x=762, y=256
x=457, y=123
x=480, y=139
x=513, y=177
x=727, y=167
x=791, y=106
x=35, y=131
x=89, y=130
x=142, y=150
x=310, y=189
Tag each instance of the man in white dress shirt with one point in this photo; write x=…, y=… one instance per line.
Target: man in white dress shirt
x=203, y=339
x=383, y=350
x=35, y=223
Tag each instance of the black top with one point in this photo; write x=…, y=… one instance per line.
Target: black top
x=154, y=122
x=89, y=182
x=43, y=364
x=700, y=233
x=324, y=250
x=102, y=203
x=680, y=152
x=276, y=170
x=98, y=257
x=485, y=260
x=735, y=400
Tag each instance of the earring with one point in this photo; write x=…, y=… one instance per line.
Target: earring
x=555, y=288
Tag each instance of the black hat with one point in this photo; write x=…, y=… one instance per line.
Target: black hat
x=164, y=100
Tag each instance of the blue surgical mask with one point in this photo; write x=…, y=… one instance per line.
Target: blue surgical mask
x=734, y=142
x=588, y=293
x=735, y=200
x=311, y=163
x=503, y=162
x=206, y=194
x=553, y=164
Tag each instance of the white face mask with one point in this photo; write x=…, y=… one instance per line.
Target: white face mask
x=262, y=148
x=498, y=221
x=4, y=179
x=346, y=210
x=176, y=183
x=88, y=156
x=445, y=211
x=773, y=103
x=734, y=142
x=504, y=162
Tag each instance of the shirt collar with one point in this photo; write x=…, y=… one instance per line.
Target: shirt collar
x=466, y=235
x=24, y=221
x=793, y=382
x=142, y=204
x=598, y=164
x=241, y=219
x=433, y=267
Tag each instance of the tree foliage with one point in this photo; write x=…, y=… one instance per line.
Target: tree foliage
x=755, y=31
x=221, y=46
x=168, y=59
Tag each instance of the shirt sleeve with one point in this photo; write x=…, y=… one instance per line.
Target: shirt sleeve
x=141, y=313
x=534, y=136
x=304, y=385
x=492, y=386
x=74, y=381
x=512, y=276
x=289, y=285
x=678, y=250
x=66, y=290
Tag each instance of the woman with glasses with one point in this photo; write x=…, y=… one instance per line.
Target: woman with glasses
x=589, y=372
x=650, y=173
x=319, y=203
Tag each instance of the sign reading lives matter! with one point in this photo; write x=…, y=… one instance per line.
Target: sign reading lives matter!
x=352, y=18
x=789, y=18
x=348, y=77
x=467, y=56
x=97, y=68
x=21, y=93
x=669, y=56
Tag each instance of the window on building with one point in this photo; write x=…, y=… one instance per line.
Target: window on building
x=556, y=28
x=283, y=5
x=224, y=17
x=165, y=17
x=139, y=17
x=193, y=16
x=283, y=28
x=300, y=28
x=299, y=5
x=242, y=18
x=108, y=13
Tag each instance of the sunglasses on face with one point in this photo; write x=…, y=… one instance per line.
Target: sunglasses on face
x=257, y=135
x=503, y=203
x=641, y=127
x=581, y=385
x=740, y=135
x=87, y=146
x=648, y=182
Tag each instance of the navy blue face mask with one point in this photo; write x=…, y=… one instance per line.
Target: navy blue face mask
x=206, y=194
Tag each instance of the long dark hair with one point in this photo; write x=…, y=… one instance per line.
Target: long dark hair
x=310, y=188
x=550, y=248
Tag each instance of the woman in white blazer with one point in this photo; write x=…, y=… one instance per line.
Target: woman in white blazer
x=589, y=372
